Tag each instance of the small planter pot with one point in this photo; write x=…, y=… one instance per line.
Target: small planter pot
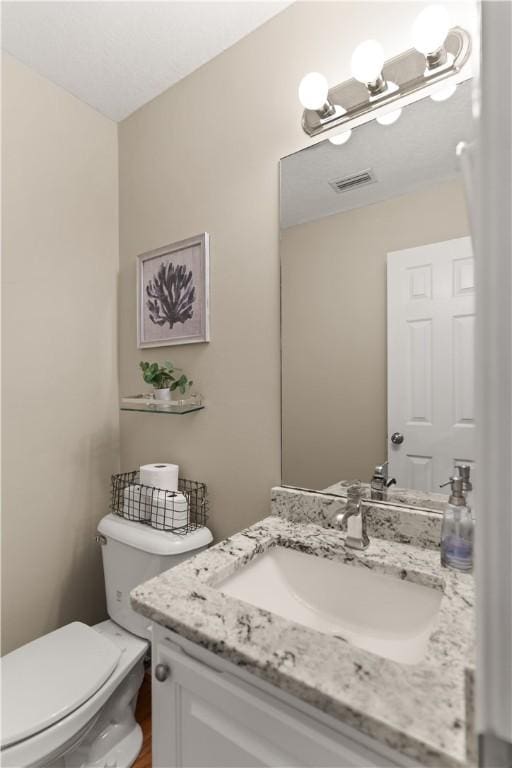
x=163, y=394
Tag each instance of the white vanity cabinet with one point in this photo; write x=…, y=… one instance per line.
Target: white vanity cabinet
x=206, y=713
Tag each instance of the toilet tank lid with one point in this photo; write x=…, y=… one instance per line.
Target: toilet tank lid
x=151, y=540
x=48, y=678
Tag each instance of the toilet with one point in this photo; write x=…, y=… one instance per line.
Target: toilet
x=68, y=698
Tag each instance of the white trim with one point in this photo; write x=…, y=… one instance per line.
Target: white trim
x=203, y=241
x=493, y=205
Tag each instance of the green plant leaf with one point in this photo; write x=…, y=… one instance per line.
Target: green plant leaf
x=161, y=376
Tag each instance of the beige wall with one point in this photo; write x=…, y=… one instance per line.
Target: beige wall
x=60, y=419
x=204, y=156
x=334, y=354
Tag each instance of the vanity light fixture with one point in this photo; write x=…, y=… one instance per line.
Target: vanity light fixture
x=340, y=138
x=438, y=55
x=441, y=94
x=390, y=117
x=313, y=95
x=366, y=65
x=429, y=33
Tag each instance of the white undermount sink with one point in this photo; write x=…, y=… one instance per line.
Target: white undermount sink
x=374, y=611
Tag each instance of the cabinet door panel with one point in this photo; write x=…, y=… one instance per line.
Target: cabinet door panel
x=208, y=719
x=212, y=737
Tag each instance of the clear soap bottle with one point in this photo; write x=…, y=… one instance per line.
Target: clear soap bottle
x=457, y=532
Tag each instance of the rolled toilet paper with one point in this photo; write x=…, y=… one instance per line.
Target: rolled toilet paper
x=135, y=505
x=164, y=476
x=168, y=509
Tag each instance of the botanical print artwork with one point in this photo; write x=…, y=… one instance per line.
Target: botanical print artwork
x=173, y=294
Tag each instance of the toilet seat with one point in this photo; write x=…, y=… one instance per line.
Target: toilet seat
x=52, y=676
x=34, y=749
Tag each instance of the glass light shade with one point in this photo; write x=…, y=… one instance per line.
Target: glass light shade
x=313, y=90
x=340, y=138
x=430, y=29
x=367, y=61
x=390, y=117
x=441, y=94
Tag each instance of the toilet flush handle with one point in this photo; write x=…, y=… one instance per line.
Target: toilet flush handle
x=162, y=672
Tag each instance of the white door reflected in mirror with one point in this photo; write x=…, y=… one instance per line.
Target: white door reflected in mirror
x=431, y=321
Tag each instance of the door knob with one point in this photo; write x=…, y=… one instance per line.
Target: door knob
x=397, y=438
x=162, y=672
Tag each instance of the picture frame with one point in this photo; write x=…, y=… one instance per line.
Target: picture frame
x=173, y=287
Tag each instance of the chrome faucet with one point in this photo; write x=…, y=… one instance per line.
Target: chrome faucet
x=380, y=483
x=353, y=518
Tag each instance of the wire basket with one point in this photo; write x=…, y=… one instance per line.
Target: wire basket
x=179, y=511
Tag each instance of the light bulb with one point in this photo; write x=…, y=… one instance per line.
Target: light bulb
x=367, y=61
x=441, y=94
x=313, y=91
x=340, y=138
x=390, y=117
x=430, y=29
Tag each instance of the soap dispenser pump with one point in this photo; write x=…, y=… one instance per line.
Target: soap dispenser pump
x=457, y=531
x=464, y=471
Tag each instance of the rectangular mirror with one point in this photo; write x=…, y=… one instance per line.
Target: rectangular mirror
x=377, y=290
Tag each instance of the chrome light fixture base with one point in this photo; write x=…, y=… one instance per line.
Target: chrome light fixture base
x=411, y=71
x=327, y=111
x=378, y=87
x=437, y=59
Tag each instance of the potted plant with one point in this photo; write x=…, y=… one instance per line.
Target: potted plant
x=165, y=379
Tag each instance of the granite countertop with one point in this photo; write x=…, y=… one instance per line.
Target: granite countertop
x=419, y=710
x=396, y=496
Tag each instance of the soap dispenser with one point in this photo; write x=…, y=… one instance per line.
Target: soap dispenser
x=457, y=529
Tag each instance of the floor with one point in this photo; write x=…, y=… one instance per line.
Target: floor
x=143, y=716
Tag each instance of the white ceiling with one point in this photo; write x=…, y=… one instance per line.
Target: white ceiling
x=417, y=150
x=116, y=56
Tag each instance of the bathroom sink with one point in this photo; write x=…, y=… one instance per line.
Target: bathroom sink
x=378, y=612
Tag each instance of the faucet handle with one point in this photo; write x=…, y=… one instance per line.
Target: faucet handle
x=381, y=471
x=380, y=481
x=354, y=491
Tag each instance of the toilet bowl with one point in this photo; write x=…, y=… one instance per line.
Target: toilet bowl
x=68, y=698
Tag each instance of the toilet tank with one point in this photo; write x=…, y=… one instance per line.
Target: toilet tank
x=133, y=553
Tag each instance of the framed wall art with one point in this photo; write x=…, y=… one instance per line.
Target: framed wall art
x=173, y=294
